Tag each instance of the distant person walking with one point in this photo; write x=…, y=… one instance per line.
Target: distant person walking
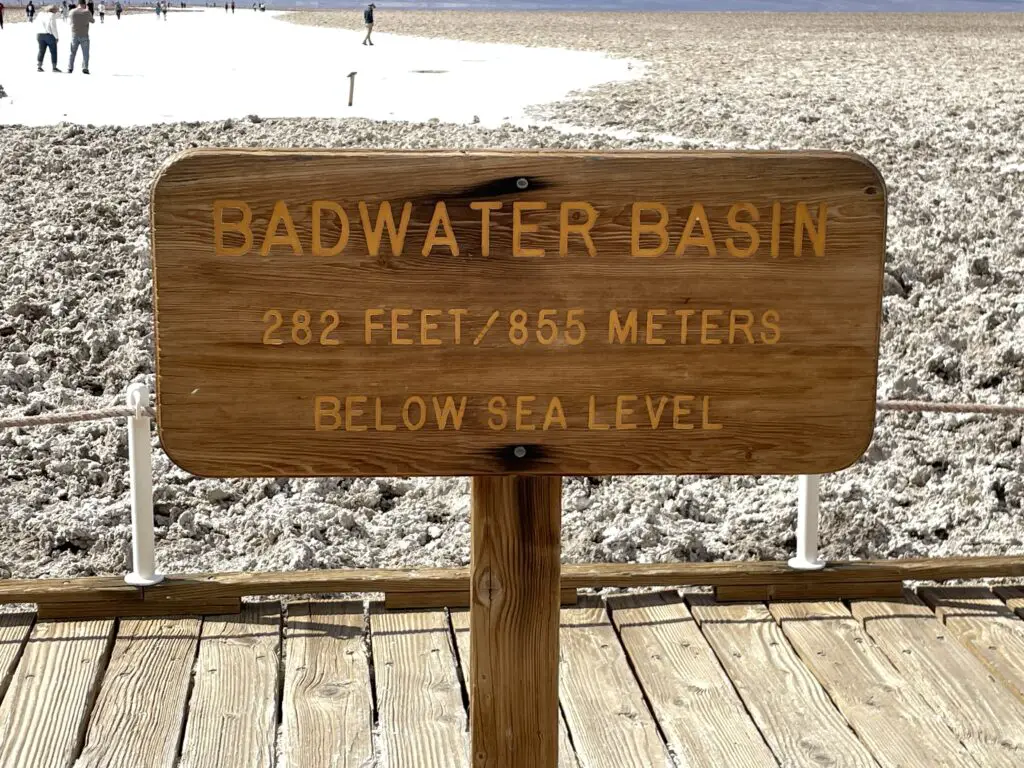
x=232, y=6
x=1, y=15
x=64, y=10
x=368, y=21
x=30, y=11
x=118, y=10
x=103, y=11
x=46, y=34
x=81, y=18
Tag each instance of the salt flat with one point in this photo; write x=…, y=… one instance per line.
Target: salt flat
x=208, y=65
x=935, y=101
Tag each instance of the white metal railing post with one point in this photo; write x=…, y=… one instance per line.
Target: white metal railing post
x=140, y=474
x=807, y=525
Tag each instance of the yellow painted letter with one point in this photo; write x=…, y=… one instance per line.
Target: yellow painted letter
x=616, y=330
x=805, y=223
x=323, y=407
x=518, y=227
x=621, y=412
x=742, y=226
x=277, y=218
x=242, y=227
x=485, y=207
x=440, y=217
x=319, y=206
x=639, y=227
x=583, y=230
x=369, y=325
x=554, y=414
x=697, y=216
x=448, y=410
x=678, y=411
x=496, y=407
x=351, y=411
x=384, y=219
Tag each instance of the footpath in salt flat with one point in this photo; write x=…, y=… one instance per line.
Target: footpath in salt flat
x=209, y=65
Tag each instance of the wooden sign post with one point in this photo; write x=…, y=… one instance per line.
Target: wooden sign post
x=516, y=317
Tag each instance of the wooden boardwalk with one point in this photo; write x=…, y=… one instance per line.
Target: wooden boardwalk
x=934, y=679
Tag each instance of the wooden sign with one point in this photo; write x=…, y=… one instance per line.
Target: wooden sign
x=473, y=313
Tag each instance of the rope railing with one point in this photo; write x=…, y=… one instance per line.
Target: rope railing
x=140, y=460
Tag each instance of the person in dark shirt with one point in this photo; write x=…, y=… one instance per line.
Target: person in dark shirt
x=368, y=20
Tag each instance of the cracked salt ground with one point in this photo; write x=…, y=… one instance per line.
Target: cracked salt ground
x=76, y=316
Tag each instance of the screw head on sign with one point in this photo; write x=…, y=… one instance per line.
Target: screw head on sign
x=522, y=183
x=519, y=452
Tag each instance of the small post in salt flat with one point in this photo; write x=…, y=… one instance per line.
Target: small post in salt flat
x=807, y=525
x=140, y=473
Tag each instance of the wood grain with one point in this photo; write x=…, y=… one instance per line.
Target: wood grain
x=984, y=716
x=792, y=710
x=604, y=707
x=233, y=711
x=46, y=710
x=460, y=628
x=987, y=626
x=808, y=590
x=1013, y=597
x=328, y=705
x=693, y=701
x=404, y=601
x=421, y=717
x=14, y=632
x=114, y=607
x=182, y=588
x=142, y=704
x=514, y=600
x=792, y=397
x=889, y=716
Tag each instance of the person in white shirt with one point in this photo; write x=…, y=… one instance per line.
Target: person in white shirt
x=46, y=34
x=101, y=9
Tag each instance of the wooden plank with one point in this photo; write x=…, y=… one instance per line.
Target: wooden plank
x=889, y=716
x=46, y=710
x=694, y=703
x=141, y=708
x=516, y=526
x=752, y=593
x=608, y=719
x=117, y=606
x=460, y=628
x=206, y=586
x=233, y=710
x=983, y=715
x=1013, y=597
x=303, y=314
x=987, y=626
x=14, y=633
x=421, y=717
x=788, y=704
x=327, y=713
x=409, y=601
